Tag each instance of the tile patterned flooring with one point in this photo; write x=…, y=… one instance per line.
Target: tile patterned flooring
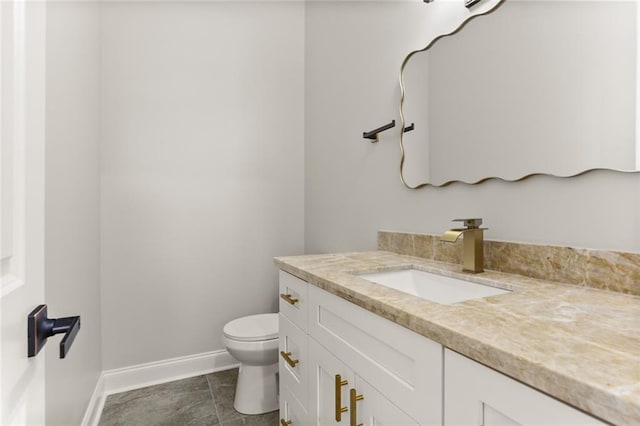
x=198, y=401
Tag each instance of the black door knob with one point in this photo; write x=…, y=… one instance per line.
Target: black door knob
x=40, y=328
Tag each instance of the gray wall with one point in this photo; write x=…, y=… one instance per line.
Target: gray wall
x=354, y=51
x=72, y=270
x=202, y=169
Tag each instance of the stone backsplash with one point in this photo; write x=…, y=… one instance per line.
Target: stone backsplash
x=607, y=270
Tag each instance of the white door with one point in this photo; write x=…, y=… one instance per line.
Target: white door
x=22, y=94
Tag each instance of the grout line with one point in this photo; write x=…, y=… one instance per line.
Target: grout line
x=213, y=399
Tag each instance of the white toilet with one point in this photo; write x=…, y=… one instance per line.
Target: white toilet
x=253, y=341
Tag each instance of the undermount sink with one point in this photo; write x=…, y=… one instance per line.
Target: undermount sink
x=433, y=287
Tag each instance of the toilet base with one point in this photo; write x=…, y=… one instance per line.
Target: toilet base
x=257, y=389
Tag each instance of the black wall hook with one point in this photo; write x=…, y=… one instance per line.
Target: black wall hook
x=373, y=134
x=470, y=3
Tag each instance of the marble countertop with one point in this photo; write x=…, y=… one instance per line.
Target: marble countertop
x=579, y=345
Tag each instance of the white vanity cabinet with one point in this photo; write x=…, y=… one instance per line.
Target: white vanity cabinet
x=343, y=365
x=477, y=395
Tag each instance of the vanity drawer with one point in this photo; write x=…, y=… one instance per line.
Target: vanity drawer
x=291, y=412
x=402, y=365
x=293, y=299
x=293, y=360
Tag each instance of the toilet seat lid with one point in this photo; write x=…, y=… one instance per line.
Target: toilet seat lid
x=252, y=328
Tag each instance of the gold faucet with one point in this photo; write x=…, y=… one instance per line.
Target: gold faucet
x=473, y=246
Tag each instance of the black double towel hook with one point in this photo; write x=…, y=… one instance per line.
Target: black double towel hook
x=373, y=134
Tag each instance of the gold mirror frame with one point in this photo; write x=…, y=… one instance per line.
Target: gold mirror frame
x=404, y=123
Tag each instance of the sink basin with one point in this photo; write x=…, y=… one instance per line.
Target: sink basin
x=433, y=287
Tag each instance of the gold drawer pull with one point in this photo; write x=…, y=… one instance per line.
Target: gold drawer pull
x=354, y=397
x=285, y=423
x=287, y=357
x=339, y=408
x=288, y=298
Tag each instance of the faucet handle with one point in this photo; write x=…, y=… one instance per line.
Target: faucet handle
x=473, y=223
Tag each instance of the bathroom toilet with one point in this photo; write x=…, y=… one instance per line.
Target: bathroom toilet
x=253, y=340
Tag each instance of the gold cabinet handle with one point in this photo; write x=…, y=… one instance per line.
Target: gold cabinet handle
x=285, y=423
x=287, y=357
x=354, y=398
x=339, y=408
x=289, y=298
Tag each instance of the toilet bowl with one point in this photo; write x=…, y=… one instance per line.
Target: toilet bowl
x=253, y=341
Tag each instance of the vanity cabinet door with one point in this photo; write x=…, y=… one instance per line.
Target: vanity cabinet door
x=329, y=384
x=374, y=409
x=336, y=394
x=477, y=395
x=404, y=366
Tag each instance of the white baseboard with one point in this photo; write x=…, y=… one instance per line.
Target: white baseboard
x=96, y=403
x=153, y=373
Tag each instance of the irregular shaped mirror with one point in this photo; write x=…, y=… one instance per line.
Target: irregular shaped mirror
x=534, y=87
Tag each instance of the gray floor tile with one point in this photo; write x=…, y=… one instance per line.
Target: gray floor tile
x=190, y=384
x=198, y=401
x=223, y=388
x=184, y=402
x=224, y=378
